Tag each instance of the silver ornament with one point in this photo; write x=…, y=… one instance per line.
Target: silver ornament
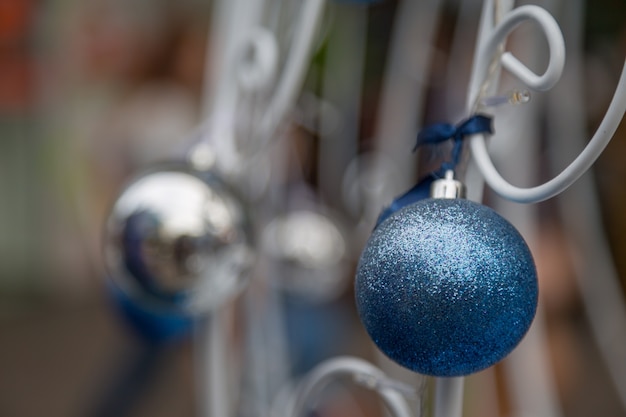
x=309, y=251
x=179, y=238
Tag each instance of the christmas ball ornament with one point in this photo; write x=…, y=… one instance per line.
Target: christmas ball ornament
x=445, y=286
x=180, y=239
x=308, y=251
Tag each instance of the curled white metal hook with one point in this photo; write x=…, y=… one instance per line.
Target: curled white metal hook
x=553, y=35
x=486, y=49
x=362, y=373
x=251, y=63
x=571, y=173
x=496, y=36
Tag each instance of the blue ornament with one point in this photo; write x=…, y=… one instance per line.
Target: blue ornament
x=446, y=287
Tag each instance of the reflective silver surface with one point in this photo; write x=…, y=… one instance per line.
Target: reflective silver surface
x=309, y=251
x=179, y=238
x=448, y=187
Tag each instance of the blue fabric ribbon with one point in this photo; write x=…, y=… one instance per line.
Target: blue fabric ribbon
x=435, y=134
x=440, y=132
x=419, y=191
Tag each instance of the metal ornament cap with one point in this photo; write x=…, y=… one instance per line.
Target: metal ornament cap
x=447, y=187
x=179, y=238
x=446, y=287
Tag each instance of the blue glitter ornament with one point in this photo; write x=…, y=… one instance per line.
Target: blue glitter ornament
x=446, y=287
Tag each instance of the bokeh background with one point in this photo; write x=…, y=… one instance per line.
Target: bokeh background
x=93, y=90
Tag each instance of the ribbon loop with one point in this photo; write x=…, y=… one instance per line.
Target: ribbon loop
x=440, y=132
x=435, y=134
x=478, y=123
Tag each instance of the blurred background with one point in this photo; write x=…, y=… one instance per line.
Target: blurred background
x=92, y=91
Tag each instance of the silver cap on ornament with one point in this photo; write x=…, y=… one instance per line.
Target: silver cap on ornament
x=447, y=187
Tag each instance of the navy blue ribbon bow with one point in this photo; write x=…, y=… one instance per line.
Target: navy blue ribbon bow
x=441, y=132
x=435, y=134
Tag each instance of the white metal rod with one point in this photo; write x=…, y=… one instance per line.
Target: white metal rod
x=212, y=377
x=449, y=397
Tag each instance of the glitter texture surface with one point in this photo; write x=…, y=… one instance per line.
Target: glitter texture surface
x=446, y=287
